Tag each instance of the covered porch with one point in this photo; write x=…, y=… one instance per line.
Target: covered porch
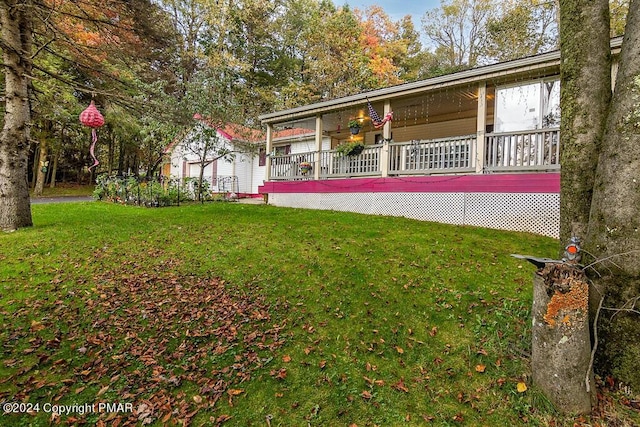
x=477, y=147
x=501, y=118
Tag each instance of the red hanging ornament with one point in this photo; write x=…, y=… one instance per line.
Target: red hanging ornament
x=91, y=117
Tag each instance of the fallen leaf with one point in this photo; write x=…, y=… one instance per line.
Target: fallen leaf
x=223, y=418
x=36, y=326
x=366, y=395
x=103, y=390
x=286, y=358
x=521, y=387
x=480, y=368
x=399, y=350
x=234, y=392
x=400, y=386
x=197, y=399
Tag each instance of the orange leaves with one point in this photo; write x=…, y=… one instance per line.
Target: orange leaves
x=279, y=374
x=400, y=386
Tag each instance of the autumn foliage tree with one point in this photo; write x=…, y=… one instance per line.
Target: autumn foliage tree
x=80, y=44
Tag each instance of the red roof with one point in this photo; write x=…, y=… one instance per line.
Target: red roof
x=237, y=132
x=288, y=133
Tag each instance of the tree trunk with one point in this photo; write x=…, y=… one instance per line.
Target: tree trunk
x=561, y=348
x=54, y=170
x=585, y=74
x=40, y=168
x=614, y=226
x=200, y=181
x=16, y=32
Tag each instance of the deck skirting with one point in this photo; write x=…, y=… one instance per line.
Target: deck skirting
x=525, y=202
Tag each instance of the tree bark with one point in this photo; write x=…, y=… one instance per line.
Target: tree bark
x=561, y=347
x=40, y=168
x=614, y=224
x=54, y=169
x=16, y=35
x=585, y=74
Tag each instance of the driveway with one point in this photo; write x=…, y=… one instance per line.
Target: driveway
x=69, y=199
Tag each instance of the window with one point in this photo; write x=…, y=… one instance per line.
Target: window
x=283, y=150
x=262, y=157
x=529, y=106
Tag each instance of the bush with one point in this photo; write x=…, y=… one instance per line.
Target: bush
x=156, y=193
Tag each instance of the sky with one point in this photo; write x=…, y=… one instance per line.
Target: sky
x=396, y=9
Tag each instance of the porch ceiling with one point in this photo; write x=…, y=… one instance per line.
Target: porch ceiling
x=407, y=111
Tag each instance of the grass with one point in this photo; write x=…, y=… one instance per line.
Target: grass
x=67, y=190
x=252, y=315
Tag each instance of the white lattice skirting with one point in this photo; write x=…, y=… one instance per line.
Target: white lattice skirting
x=536, y=213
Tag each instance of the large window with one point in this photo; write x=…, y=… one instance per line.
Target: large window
x=534, y=105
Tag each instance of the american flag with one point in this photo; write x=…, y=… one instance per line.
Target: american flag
x=375, y=118
x=373, y=114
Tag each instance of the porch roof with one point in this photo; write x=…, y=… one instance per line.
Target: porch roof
x=543, y=64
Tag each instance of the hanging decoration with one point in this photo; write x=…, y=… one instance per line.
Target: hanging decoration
x=375, y=118
x=92, y=118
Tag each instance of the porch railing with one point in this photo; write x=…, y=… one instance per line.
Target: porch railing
x=367, y=163
x=448, y=155
x=287, y=167
x=529, y=150
x=514, y=151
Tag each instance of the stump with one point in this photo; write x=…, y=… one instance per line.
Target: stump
x=561, y=348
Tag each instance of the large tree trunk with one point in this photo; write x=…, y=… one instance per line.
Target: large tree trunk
x=15, y=207
x=585, y=76
x=614, y=225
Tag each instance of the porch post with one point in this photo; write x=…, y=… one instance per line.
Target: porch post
x=317, y=160
x=268, y=148
x=386, y=136
x=481, y=127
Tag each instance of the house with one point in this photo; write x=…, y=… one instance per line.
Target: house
x=245, y=172
x=477, y=147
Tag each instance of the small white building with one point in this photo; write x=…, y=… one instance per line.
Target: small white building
x=245, y=171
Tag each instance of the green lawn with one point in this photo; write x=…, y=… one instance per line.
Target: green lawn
x=67, y=190
x=237, y=314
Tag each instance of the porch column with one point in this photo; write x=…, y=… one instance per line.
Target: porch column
x=481, y=127
x=386, y=136
x=268, y=148
x=317, y=160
